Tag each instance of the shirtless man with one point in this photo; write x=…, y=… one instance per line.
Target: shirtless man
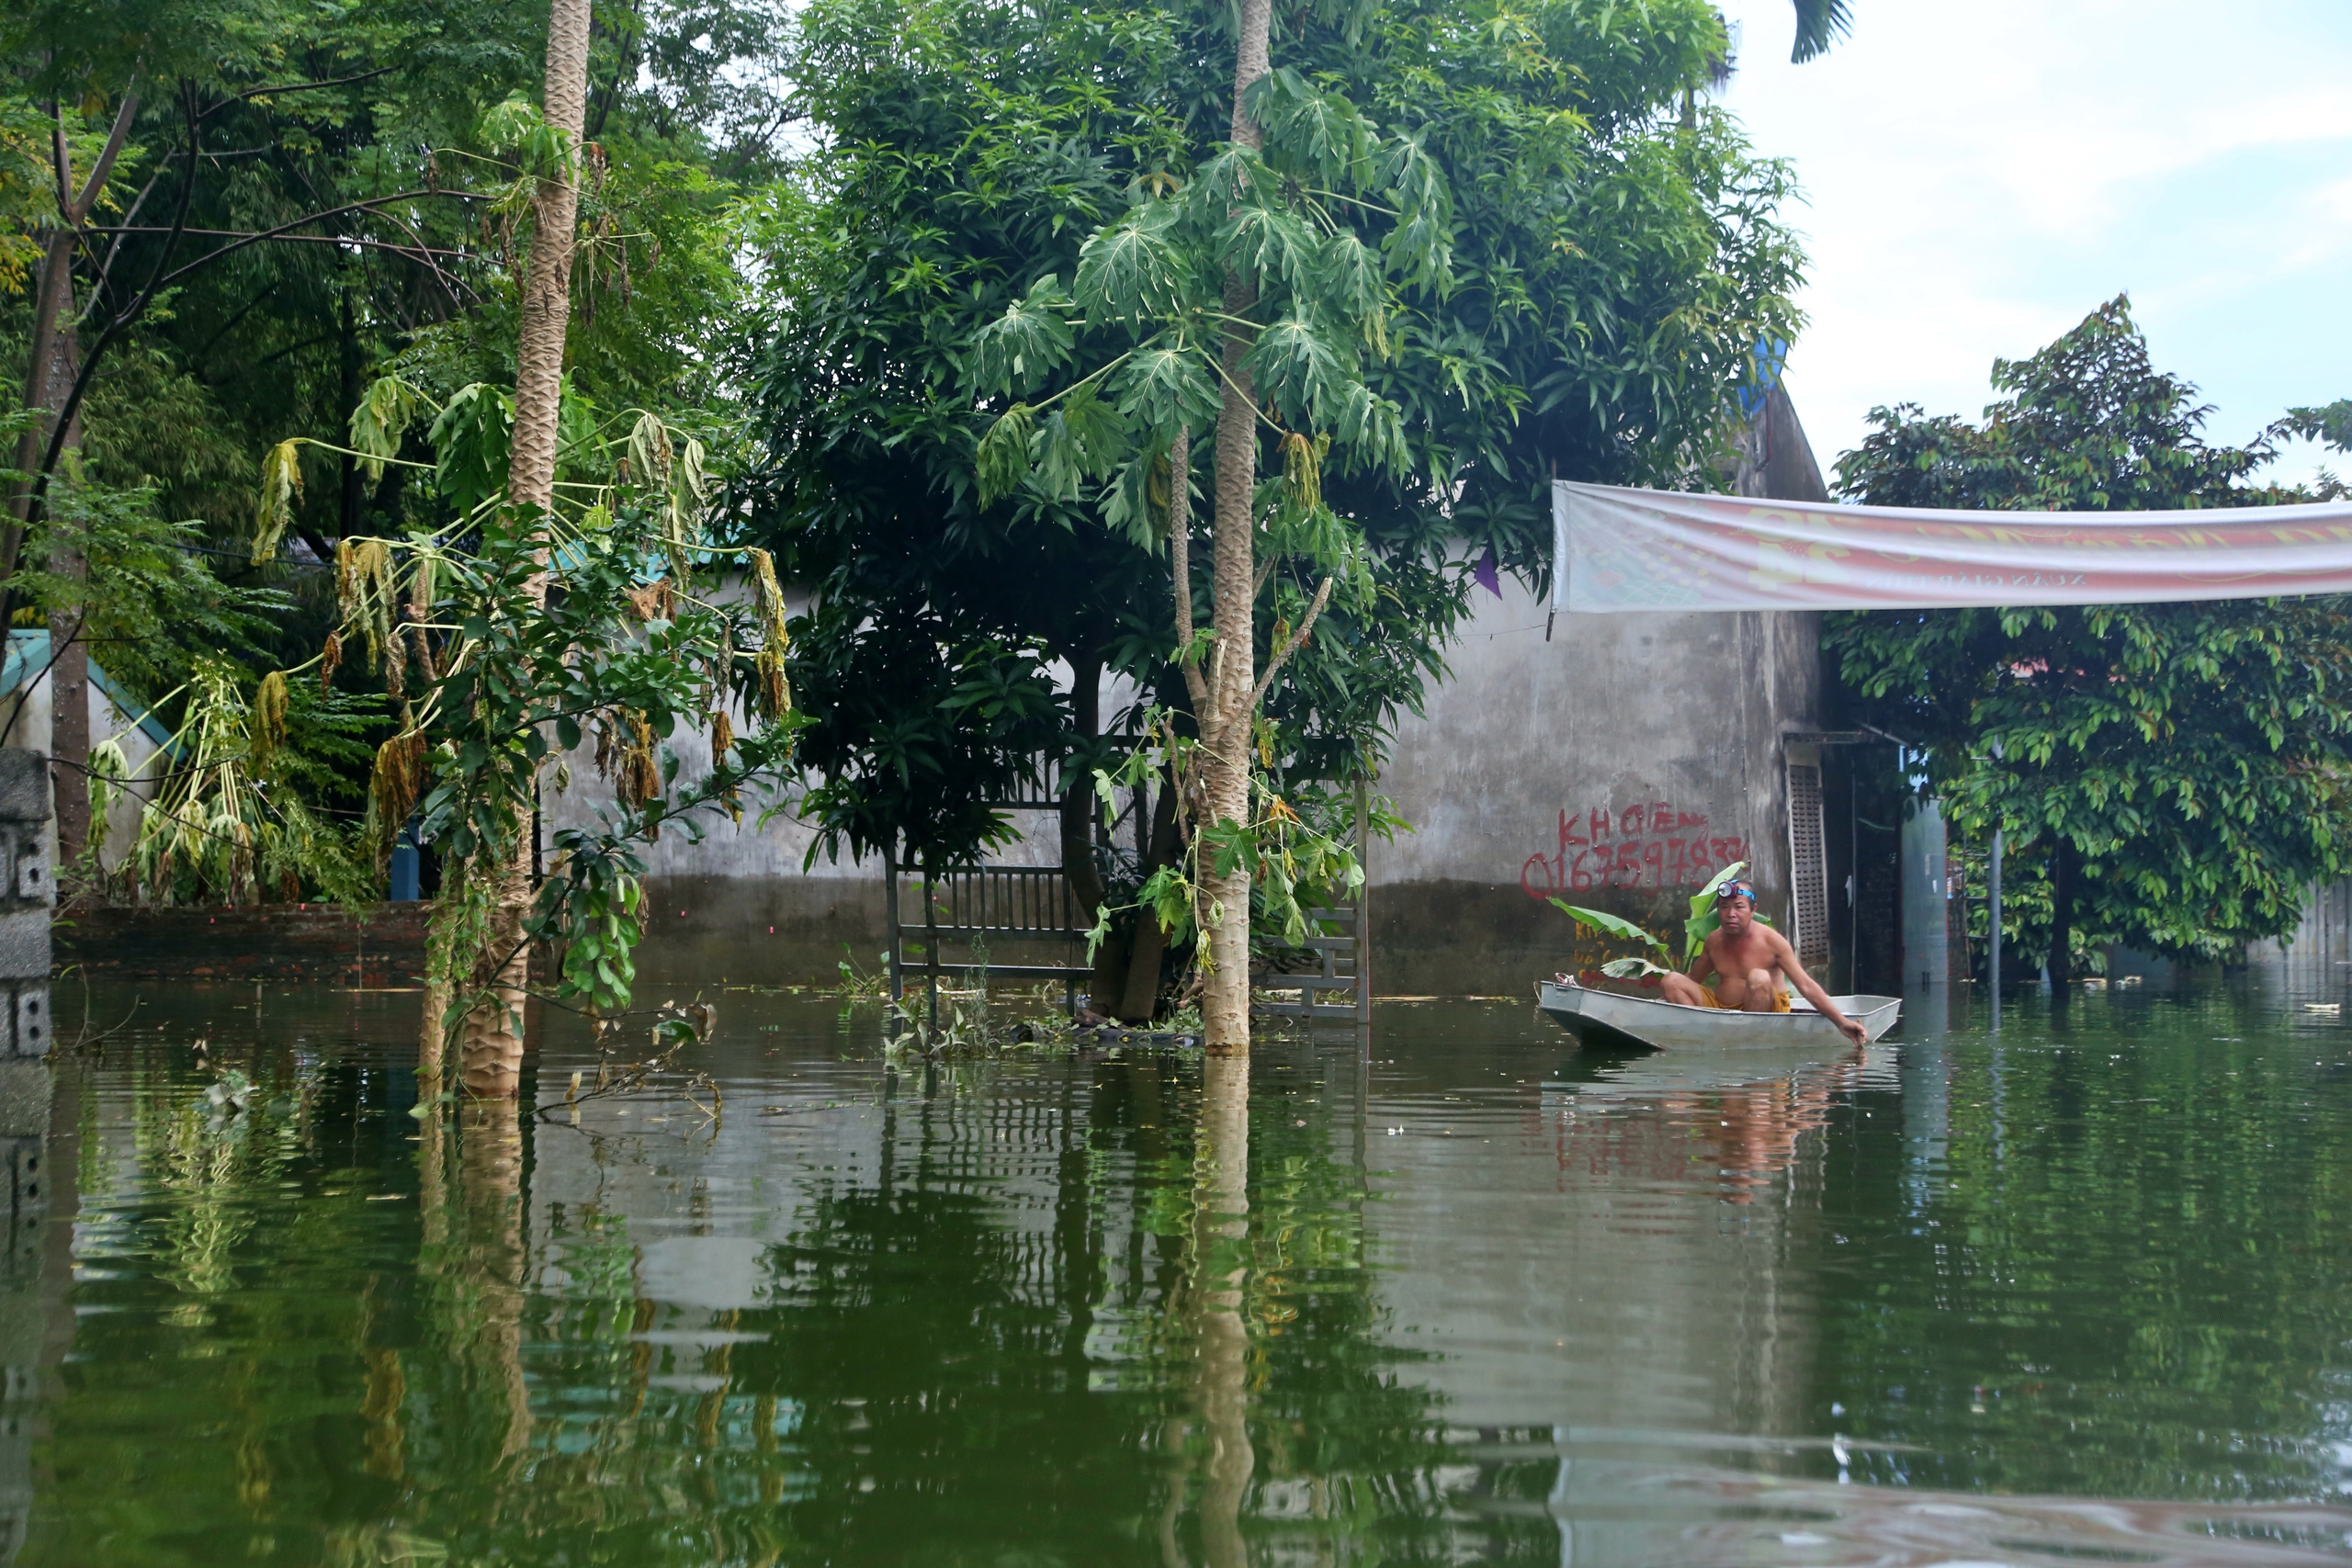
x=1747, y=960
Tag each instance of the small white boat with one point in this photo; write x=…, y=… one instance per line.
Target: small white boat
x=1610, y=1019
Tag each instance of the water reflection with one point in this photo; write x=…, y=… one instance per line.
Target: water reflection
x=1211, y=1307
x=1479, y=1300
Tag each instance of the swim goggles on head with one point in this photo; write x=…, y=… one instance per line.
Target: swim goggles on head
x=1734, y=890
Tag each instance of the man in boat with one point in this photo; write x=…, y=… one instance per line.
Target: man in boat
x=1748, y=960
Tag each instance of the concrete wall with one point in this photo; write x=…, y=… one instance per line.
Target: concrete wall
x=1618, y=764
x=1617, y=760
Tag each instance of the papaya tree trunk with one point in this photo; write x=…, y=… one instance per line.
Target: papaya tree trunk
x=493, y=1035
x=1220, y=1291
x=1224, y=725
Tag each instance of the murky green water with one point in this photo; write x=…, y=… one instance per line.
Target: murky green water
x=2077, y=1294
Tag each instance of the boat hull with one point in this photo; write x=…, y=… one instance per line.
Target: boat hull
x=1607, y=1020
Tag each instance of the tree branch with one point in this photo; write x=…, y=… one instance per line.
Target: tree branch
x=105, y=165
x=1273, y=665
x=60, y=162
x=105, y=267
x=1180, y=546
x=214, y=255
x=12, y=540
x=296, y=87
x=360, y=240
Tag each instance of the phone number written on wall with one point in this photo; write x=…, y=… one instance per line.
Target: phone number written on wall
x=1649, y=844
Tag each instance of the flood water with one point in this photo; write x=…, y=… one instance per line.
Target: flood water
x=2076, y=1292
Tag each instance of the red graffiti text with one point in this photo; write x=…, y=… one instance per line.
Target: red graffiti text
x=1649, y=844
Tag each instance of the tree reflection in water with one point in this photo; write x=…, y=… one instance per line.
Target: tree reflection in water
x=1211, y=1302
x=1075, y=1310
x=1111, y=1309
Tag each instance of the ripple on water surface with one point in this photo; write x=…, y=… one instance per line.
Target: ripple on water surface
x=2075, y=1293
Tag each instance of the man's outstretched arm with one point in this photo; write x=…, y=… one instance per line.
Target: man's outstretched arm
x=1810, y=989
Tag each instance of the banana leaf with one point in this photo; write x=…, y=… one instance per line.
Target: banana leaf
x=1607, y=924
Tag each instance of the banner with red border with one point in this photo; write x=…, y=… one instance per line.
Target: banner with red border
x=1616, y=549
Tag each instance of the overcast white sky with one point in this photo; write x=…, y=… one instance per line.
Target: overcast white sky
x=1980, y=176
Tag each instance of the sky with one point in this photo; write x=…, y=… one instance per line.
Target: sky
x=1980, y=176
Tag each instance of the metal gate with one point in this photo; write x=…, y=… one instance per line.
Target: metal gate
x=971, y=908
x=1808, y=867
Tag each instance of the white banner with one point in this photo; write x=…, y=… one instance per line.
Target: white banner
x=1617, y=549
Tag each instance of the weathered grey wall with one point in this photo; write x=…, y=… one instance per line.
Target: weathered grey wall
x=737, y=907
x=1618, y=760
x=1618, y=764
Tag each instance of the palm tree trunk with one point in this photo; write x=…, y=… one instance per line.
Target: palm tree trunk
x=492, y=1038
x=1225, y=726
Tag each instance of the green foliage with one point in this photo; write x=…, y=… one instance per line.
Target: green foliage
x=385, y=150
x=149, y=607
x=521, y=673
x=472, y=439
x=1607, y=924
x=1296, y=858
x=2331, y=424
x=211, y=828
x=2177, y=770
x=527, y=636
x=1820, y=23
x=1488, y=248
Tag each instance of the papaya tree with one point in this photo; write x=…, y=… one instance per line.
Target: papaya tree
x=508, y=648
x=494, y=1030
x=1250, y=295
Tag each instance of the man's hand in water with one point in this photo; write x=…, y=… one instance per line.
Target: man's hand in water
x=1854, y=1032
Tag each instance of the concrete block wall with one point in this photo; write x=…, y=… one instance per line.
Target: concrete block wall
x=28, y=899
x=382, y=945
